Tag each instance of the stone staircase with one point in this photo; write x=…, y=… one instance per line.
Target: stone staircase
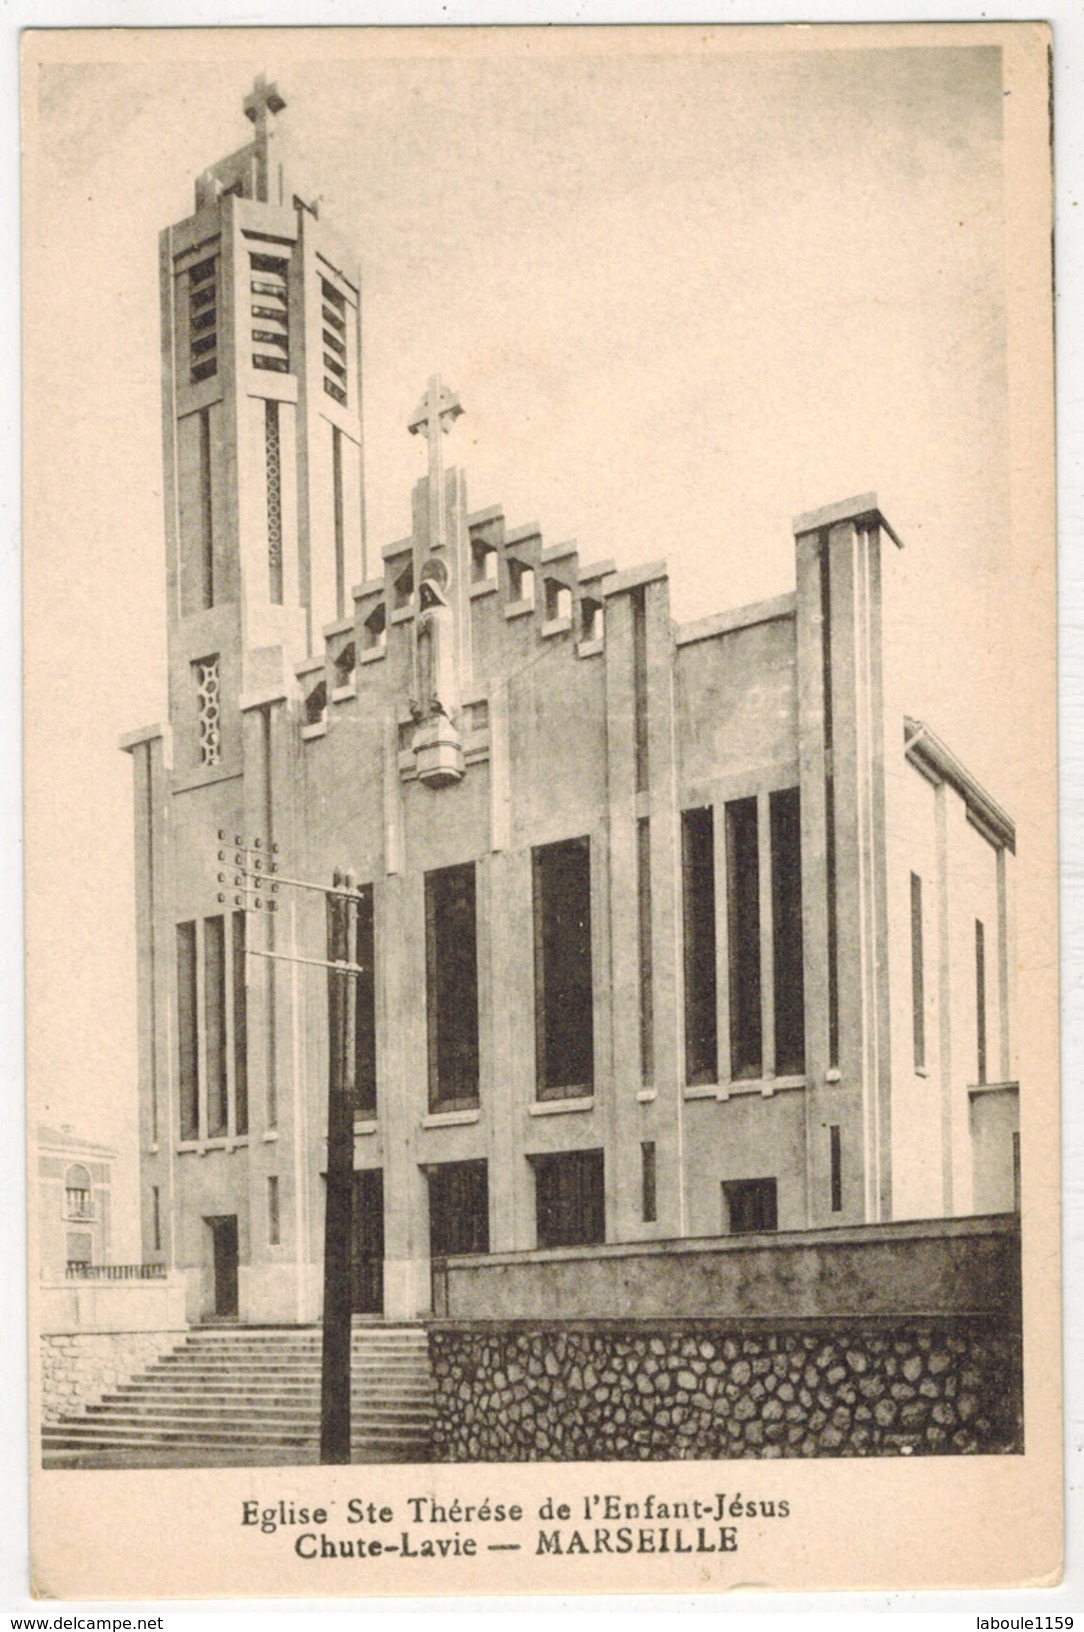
x=249, y=1396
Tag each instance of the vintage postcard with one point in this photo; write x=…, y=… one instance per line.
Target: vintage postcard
x=541, y=855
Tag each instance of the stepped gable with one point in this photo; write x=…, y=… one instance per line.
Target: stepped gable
x=521, y=593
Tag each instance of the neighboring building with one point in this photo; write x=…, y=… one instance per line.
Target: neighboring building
x=663, y=931
x=74, y=1213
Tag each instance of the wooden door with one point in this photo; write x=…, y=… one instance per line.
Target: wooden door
x=367, y=1246
x=224, y=1232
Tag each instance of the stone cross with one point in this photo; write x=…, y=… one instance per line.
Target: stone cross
x=434, y=416
x=262, y=101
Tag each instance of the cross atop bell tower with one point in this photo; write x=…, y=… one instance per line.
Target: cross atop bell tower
x=261, y=105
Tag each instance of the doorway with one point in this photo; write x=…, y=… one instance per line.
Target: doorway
x=367, y=1243
x=224, y=1260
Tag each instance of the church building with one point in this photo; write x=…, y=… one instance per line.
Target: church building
x=662, y=931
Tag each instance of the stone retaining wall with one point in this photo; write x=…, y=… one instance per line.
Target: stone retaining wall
x=510, y=1391
x=937, y=1266
x=77, y=1368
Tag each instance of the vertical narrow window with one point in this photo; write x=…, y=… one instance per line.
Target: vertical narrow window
x=743, y=926
x=787, y=959
x=564, y=990
x=639, y=685
x=214, y=1011
x=270, y=990
x=698, y=908
x=829, y=810
x=333, y=312
x=980, y=1000
x=209, y=715
x=270, y=313
x=451, y=957
x=187, y=1031
x=273, y=454
x=274, y=1219
x=647, y=998
x=202, y=321
x=240, y=1027
x=647, y=1181
x=340, y=537
x=836, y=1164
x=365, y=1017
x=152, y=920
x=206, y=513
x=918, y=977
x=156, y=1219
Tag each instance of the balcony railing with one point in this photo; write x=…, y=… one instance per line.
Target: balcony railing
x=115, y=1272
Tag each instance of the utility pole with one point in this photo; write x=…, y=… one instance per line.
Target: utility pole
x=256, y=882
x=342, y=913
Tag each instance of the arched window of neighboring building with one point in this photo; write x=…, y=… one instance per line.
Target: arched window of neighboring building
x=77, y=1198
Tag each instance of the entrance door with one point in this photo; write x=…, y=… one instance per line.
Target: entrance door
x=224, y=1236
x=367, y=1247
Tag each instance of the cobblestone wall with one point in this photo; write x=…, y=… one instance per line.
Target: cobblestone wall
x=524, y=1392
x=79, y=1367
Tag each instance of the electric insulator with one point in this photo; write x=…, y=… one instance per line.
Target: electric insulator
x=222, y=855
x=255, y=844
x=221, y=898
x=222, y=833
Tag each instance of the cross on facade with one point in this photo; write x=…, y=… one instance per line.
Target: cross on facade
x=434, y=416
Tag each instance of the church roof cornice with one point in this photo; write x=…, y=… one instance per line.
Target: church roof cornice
x=937, y=763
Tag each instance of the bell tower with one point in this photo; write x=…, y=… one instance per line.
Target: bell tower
x=262, y=434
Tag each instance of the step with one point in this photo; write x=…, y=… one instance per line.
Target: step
x=157, y=1456
x=107, y=1434
x=244, y=1394
x=159, y=1411
x=294, y=1351
x=271, y=1377
x=375, y=1338
x=281, y=1356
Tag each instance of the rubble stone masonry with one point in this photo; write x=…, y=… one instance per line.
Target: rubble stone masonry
x=519, y=1391
x=79, y=1367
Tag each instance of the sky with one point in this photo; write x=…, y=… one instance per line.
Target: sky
x=685, y=290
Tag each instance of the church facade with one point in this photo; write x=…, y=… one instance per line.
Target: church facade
x=660, y=931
